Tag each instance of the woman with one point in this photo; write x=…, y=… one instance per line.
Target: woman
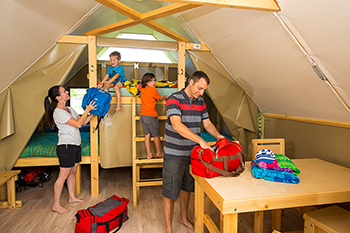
x=68, y=148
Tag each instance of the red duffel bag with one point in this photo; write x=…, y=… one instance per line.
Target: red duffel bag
x=228, y=160
x=103, y=217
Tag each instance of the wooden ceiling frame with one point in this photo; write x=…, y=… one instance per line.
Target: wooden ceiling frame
x=136, y=18
x=263, y=5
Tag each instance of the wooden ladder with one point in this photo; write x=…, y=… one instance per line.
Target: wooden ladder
x=141, y=162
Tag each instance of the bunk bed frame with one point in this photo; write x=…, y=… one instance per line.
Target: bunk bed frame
x=92, y=42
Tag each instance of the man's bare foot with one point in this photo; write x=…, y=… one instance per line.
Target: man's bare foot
x=187, y=224
x=60, y=209
x=160, y=155
x=117, y=109
x=149, y=156
x=76, y=200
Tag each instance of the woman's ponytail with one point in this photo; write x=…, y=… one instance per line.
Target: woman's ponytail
x=52, y=94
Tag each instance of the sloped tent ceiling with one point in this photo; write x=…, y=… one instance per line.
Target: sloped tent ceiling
x=258, y=51
x=30, y=28
x=28, y=93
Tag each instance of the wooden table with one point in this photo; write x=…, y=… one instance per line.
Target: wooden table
x=321, y=182
x=9, y=177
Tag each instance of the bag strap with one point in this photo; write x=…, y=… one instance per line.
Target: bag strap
x=223, y=172
x=120, y=216
x=98, y=123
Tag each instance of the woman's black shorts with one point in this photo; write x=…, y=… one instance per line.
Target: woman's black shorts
x=68, y=155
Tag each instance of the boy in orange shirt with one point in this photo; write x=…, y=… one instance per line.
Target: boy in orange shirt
x=149, y=115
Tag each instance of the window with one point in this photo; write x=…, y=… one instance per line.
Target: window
x=137, y=55
x=76, y=97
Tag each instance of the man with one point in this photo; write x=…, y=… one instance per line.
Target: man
x=186, y=111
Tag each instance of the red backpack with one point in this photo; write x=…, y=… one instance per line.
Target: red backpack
x=228, y=160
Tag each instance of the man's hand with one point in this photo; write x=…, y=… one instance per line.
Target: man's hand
x=205, y=145
x=220, y=137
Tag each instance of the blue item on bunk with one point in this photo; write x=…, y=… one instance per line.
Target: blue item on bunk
x=102, y=100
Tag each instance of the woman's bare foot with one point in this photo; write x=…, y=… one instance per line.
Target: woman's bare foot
x=149, y=156
x=117, y=109
x=76, y=200
x=187, y=224
x=159, y=155
x=60, y=209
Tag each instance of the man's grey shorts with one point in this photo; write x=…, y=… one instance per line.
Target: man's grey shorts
x=176, y=176
x=150, y=125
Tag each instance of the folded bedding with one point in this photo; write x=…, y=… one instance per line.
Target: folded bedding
x=132, y=90
x=286, y=172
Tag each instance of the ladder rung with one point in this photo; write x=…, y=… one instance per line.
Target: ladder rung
x=153, y=165
x=149, y=182
x=148, y=161
x=142, y=139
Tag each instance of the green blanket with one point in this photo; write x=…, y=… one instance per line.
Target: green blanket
x=43, y=144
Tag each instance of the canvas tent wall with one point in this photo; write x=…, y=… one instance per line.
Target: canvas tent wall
x=25, y=98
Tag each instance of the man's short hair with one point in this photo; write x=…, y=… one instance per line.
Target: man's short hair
x=197, y=75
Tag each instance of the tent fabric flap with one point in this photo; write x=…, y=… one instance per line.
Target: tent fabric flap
x=28, y=93
x=7, y=125
x=237, y=109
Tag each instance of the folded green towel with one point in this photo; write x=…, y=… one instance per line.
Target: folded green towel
x=285, y=162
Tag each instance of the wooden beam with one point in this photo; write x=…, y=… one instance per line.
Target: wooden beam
x=73, y=39
x=197, y=47
x=121, y=8
x=167, y=10
x=181, y=79
x=308, y=120
x=112, y=27
x=164, y=30
x=264, y=5
x=140, y=18
x=93, y=133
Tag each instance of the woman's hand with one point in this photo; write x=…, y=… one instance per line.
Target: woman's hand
x=91, y=106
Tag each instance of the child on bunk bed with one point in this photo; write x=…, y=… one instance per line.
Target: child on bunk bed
x=149, y=115
x=115, y=75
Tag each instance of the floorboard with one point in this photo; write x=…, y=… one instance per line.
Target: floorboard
x=36, y=215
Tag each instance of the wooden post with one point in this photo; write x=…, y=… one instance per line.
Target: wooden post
x=93, y=133
x=166, y=72
x=262, y=127
x=181, y=79
x=103, y=70
x=136, y=70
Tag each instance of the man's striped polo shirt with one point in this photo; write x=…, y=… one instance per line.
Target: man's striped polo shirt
x=192, y=112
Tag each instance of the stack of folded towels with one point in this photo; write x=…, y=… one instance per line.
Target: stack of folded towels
x=274, y=167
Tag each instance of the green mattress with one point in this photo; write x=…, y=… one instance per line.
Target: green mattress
x=209, y=138
x=43, y=144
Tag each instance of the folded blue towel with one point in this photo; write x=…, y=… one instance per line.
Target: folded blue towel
x=272, y=175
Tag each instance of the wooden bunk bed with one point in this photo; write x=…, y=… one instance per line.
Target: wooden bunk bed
x=41, y=151
x=41, y=148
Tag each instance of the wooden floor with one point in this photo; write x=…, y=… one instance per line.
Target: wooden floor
x=36, y=215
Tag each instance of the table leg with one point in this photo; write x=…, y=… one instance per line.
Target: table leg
x=259, y=222
x=230, y=223
x=276, y=220
x=11, y=193
x=199, y=209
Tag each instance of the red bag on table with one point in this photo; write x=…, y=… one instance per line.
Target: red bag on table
x=228, y=160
